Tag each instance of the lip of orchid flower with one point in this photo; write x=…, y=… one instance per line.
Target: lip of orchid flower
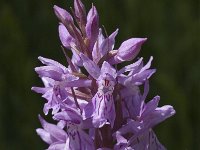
x=102, y=103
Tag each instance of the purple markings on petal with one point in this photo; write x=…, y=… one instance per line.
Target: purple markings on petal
x=78, y=139
x=102, y=109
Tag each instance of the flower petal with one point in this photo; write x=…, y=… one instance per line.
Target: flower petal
x=148, y=140
x=108, y=69
x=63, y=15
x=40, y=90
x=90, y=66
x=159, y=115
x=66, y=39
x=80, y=11
x=77, y=83
x=108, y=44
x=128, y=50
x=150, y=106
x=92, y=26
x=57, y=146
x=49, y=71
x=103, y=46
x=131, y=67
x=104, y=110
x=54, y=130
x=45, y=136
x=69, y=114
x=50, y=62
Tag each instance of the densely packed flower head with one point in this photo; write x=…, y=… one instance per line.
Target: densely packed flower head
x=102, y=108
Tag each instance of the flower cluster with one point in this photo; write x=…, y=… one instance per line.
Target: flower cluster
x=94, y=104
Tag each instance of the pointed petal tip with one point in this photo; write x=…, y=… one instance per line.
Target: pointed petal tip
x=157, y=97
x=172, y=110
x=145, y=39
x=141, y=40
x=153, y=71
x=38, y=130
x=116, y=31
x=55, y=7
x=33, y=88
x=39, y=116
x=62, y=14
x=36, y=69
x=40, y=58
x=41, y=119
x=166, y=111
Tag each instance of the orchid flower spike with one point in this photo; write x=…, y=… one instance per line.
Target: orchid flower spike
x=95, y=105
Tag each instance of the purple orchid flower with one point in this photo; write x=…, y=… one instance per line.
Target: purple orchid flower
x=52, y=75
x=141, y=122
x=132, y=99
x=53, y=135
x=146, y=141
x=101, y=108
x=58, y=81
x=77, y=138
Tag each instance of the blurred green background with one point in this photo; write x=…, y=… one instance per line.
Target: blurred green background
x=28, y=28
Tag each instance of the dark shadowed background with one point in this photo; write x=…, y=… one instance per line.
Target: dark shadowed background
x=28, y=29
